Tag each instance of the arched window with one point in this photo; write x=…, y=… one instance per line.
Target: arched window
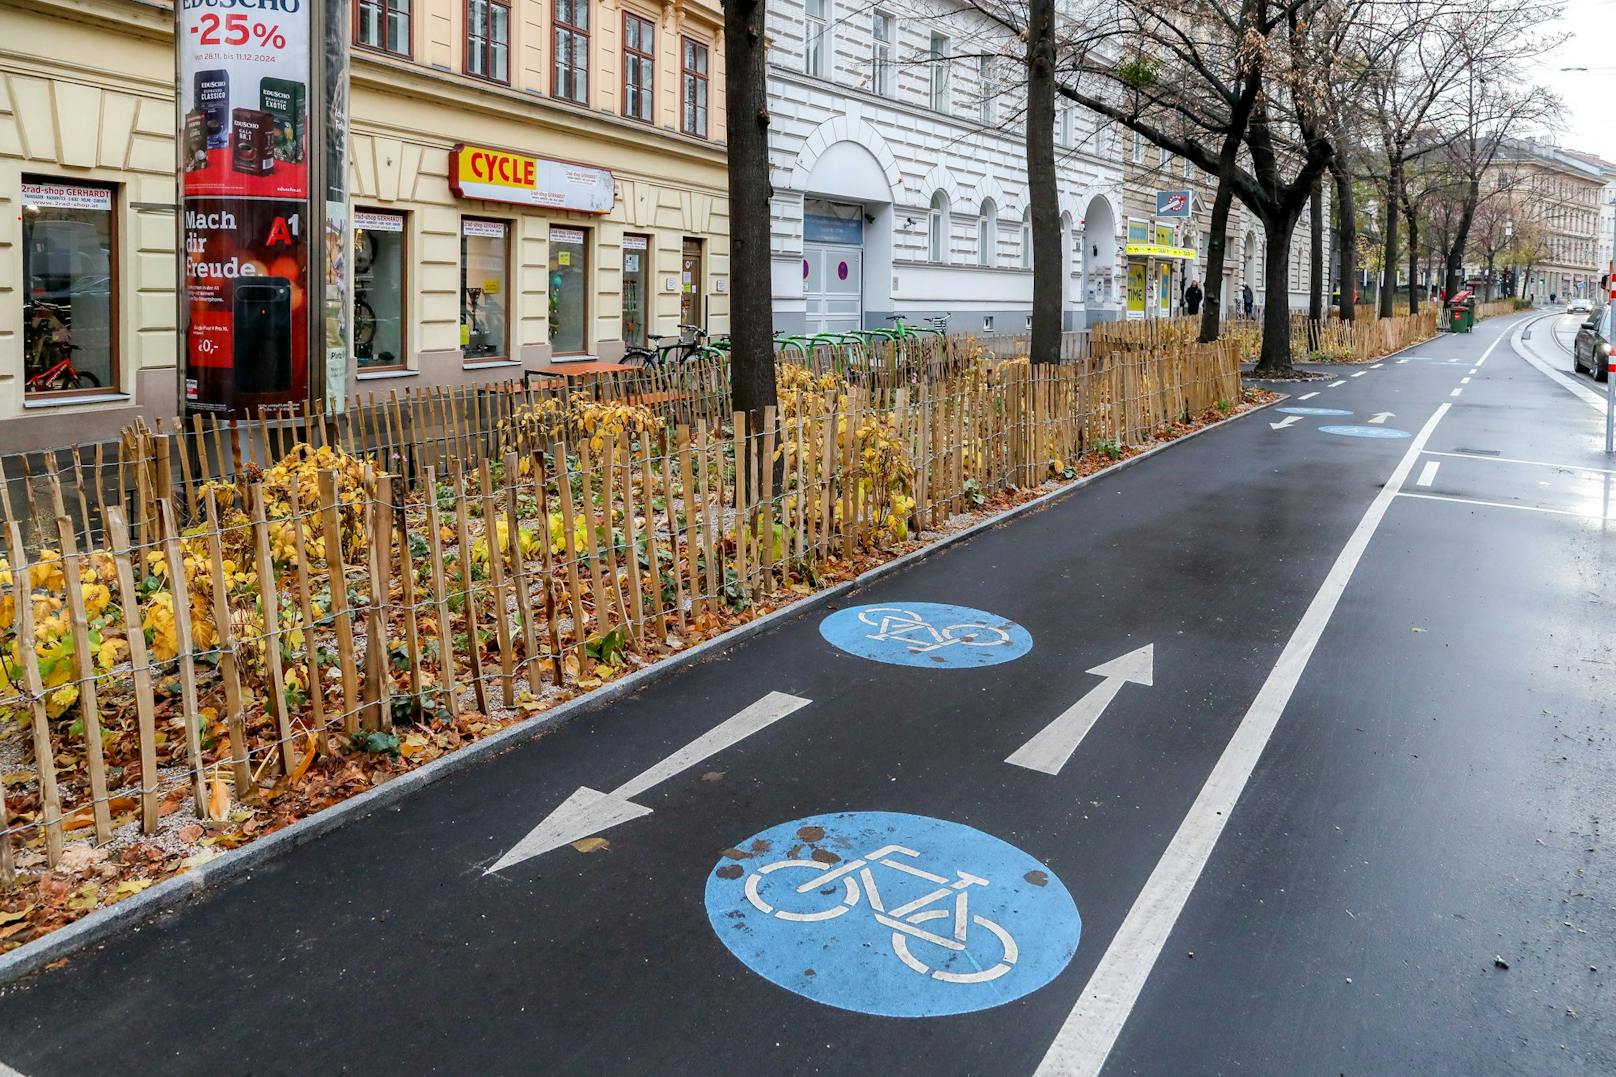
x=987, y=233
x=938, y=227
x=1026, y=239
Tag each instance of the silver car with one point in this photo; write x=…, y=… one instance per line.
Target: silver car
x=1591, y=352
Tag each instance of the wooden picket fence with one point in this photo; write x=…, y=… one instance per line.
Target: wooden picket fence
x=223, y=603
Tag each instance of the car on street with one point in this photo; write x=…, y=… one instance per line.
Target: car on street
x=1579, y=306
x=1591, y=350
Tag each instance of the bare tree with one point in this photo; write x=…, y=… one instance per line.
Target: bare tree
x=1042, y=189
x=746, y=126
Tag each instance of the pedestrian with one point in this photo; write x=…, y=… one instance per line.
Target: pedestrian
x=1247, y=300
x=1192, y=299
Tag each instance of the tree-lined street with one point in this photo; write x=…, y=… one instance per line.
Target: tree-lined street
x=1345, y=813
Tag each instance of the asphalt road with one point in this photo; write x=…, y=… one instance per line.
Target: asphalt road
x=1370, y=763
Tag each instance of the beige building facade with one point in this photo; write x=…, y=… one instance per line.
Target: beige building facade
x=448, y=289
x=1551, y=209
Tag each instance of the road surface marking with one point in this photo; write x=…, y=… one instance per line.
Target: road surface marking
x=1473, y=370
x=1400, y=362
x=1453, y=360
x=930, y=635
x=588, y=812
x=1518, y=460
x=1359, y=374
x=1377, y=366
x=7, y=1071
x=1465, y=380
x=1286, y=421
x=1091, y=1029
x=1049, y=750
x=1456, y=392
x=1507, y=505
x=1308, y=396
x=1380, y=417
x=1333, y=384
x=1592, y=398
x=1427, y=473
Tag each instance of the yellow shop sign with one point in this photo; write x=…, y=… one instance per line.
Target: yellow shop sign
x=1159, y=250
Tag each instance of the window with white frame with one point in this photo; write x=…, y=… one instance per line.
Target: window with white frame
x=938, y=55
x=984, y=85
x=883, y=51
x=987, y=234
x=1026, y=239
x=938, y=225
x=1138, y=149
x=1064, y=127
x=816, y=37
x=1189, y=169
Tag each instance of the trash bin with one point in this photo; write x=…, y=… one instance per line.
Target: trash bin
x=1459, y=318
x=1469, y=314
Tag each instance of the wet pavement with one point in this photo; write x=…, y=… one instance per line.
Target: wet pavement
x=1310, y=737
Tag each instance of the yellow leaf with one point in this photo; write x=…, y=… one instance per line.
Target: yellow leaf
x=218, y=799
x=591, y=845
x=128, y=888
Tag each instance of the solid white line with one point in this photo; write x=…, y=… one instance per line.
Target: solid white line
x=1427, y=473
x=1518, y=460
x=1333, y=384
x=1592, y=398
x=1308, y=396
x=1507, y=505
x=1360, y=373
x=1091, y=1029
x=1456, y=392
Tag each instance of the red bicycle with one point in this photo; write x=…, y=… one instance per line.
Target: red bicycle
x=49, y=362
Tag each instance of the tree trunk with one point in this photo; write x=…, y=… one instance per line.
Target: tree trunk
x=1388, y=262
x=751, y=319
x=1461, y=236
x=1413, y=255
x=1275, y=358
x=1346, y=212
x=1043, y=193
x=1315, y=267
x=1217, y=245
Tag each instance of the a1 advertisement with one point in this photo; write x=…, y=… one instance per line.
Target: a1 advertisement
x=244, y=184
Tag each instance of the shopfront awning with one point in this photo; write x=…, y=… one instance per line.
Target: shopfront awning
x=1159, y=250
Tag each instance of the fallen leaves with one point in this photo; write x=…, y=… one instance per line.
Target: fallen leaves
x=591, y=845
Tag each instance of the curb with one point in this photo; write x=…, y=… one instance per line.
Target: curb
x=235, y=863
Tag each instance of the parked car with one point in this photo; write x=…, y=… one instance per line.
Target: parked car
x=1579, y=306
x=1591, y=351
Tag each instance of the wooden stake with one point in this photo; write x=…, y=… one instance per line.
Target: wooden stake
x=180, y=595
x=89, y=704
x=229, y=659
x=440, y=592
x=331, y=525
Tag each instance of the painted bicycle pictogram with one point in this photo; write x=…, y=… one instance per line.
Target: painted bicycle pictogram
x=858, y=882
x=909, y=627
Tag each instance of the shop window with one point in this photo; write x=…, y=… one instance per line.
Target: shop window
x=379, y=261
x=69, y=276
x=571, y=25
x=636, y=289
x=639, y=66
x=694, y=90
x=485, y=257
x=488, y=39
x=383, y=25
x=816, y=32
x=569, y=291
x=883, y=52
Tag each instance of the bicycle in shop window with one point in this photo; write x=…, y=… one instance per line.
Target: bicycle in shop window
x=48, y=362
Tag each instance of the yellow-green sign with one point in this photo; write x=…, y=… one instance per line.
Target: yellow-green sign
x=1136, y=288
x=1159, y=250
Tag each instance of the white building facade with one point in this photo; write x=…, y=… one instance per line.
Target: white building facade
x=899, y=173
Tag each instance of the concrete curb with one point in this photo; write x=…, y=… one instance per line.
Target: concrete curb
x=231, y=865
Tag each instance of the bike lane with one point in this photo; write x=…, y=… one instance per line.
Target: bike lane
x=387, y=944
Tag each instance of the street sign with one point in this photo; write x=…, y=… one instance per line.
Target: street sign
x=931, y=635
x=892, y=914
x=1173, y=203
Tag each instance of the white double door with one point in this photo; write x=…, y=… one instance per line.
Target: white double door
x=833, y=284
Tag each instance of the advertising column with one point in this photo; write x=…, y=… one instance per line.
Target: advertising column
x=248, y=146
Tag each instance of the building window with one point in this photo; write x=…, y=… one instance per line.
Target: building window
x=1138, y=149
x=984, y=85
x=1189, y=169
x=69, y=279
x=939, y=224
x=569, y=291
x=1026, y=239
x=484, y=292
x=639, y=66
x=636, y=289
x=571, y=73
x=883, y=52
x=816, y=37
x=1065, y=128
x=488, y=39
x=693, y=120
x=384, y=25
x=938, y=56
x=987, y=234
x=379, y=288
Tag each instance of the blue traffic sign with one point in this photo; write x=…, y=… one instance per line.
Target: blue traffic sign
x=926, y=634
x=1313, y=411
x=1366, y=431
x=892, y=914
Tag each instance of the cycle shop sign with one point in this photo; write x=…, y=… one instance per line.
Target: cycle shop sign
x=929, y=635
x=244, y=182
x=493, y=175
x=892, y=914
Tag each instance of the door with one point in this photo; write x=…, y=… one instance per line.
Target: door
x=690, y=304
x=833, y=285
x=636, y=275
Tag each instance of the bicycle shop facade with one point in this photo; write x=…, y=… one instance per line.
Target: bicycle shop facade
x=458, y=277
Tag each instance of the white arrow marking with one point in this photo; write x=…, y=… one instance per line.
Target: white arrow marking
x=1048, y=752
x=588, y=811
x=1381, y=417
x=1282, y=424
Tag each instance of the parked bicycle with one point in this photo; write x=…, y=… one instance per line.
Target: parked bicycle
x=48, y=362
x=672, y=351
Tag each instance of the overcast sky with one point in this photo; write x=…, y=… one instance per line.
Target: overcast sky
x=1589, y=121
